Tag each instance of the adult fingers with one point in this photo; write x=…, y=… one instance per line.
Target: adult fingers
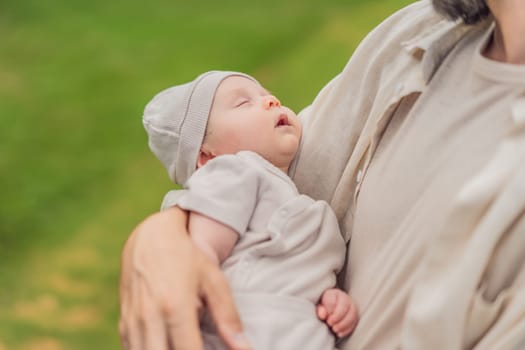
x=128, y=325
x=125, y=310
x=153, y=327
x=160, y=286
x=135, y=321
x=181, y=316
x=219, y=300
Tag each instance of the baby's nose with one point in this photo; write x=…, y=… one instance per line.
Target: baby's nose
x=271, y=101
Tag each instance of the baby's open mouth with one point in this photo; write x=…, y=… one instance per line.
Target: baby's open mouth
x=283, y=120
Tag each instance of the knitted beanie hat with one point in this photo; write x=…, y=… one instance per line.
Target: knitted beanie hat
x=175, y=121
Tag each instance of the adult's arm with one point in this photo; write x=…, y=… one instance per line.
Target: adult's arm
x=165, y=279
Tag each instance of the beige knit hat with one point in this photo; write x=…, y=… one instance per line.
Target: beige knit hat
x=175, y=120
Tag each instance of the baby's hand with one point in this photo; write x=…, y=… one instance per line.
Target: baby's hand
x=338, y=311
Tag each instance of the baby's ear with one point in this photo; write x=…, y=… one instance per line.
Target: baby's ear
x=204, y=156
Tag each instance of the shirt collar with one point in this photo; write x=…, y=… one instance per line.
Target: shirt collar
x=433, y=45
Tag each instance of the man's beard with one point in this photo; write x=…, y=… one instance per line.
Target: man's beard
x=470, y=11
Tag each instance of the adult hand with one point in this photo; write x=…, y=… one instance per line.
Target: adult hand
x=165, y=280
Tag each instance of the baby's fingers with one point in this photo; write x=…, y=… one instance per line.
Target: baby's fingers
x=329, y=300
x=338, y=313
x=322, y=313
x=346, y=325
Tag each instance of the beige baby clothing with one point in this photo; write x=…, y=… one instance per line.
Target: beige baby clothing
x=288, y=253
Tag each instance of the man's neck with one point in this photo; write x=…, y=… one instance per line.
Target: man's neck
x=507, y=44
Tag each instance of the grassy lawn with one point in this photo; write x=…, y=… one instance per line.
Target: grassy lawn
x=75, y=170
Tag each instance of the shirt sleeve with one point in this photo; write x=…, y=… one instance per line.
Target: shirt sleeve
x=225, y=189
x=172, y=198
x=341, y=119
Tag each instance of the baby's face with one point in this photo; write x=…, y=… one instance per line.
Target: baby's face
x=246, y=117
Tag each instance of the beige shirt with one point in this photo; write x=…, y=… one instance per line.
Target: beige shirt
x=426, y=173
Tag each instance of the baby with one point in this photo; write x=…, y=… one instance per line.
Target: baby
x=229, y=142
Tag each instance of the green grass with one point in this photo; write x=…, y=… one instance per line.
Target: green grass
x=75, y=171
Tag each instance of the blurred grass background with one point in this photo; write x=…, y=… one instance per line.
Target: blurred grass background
x=75, y=172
